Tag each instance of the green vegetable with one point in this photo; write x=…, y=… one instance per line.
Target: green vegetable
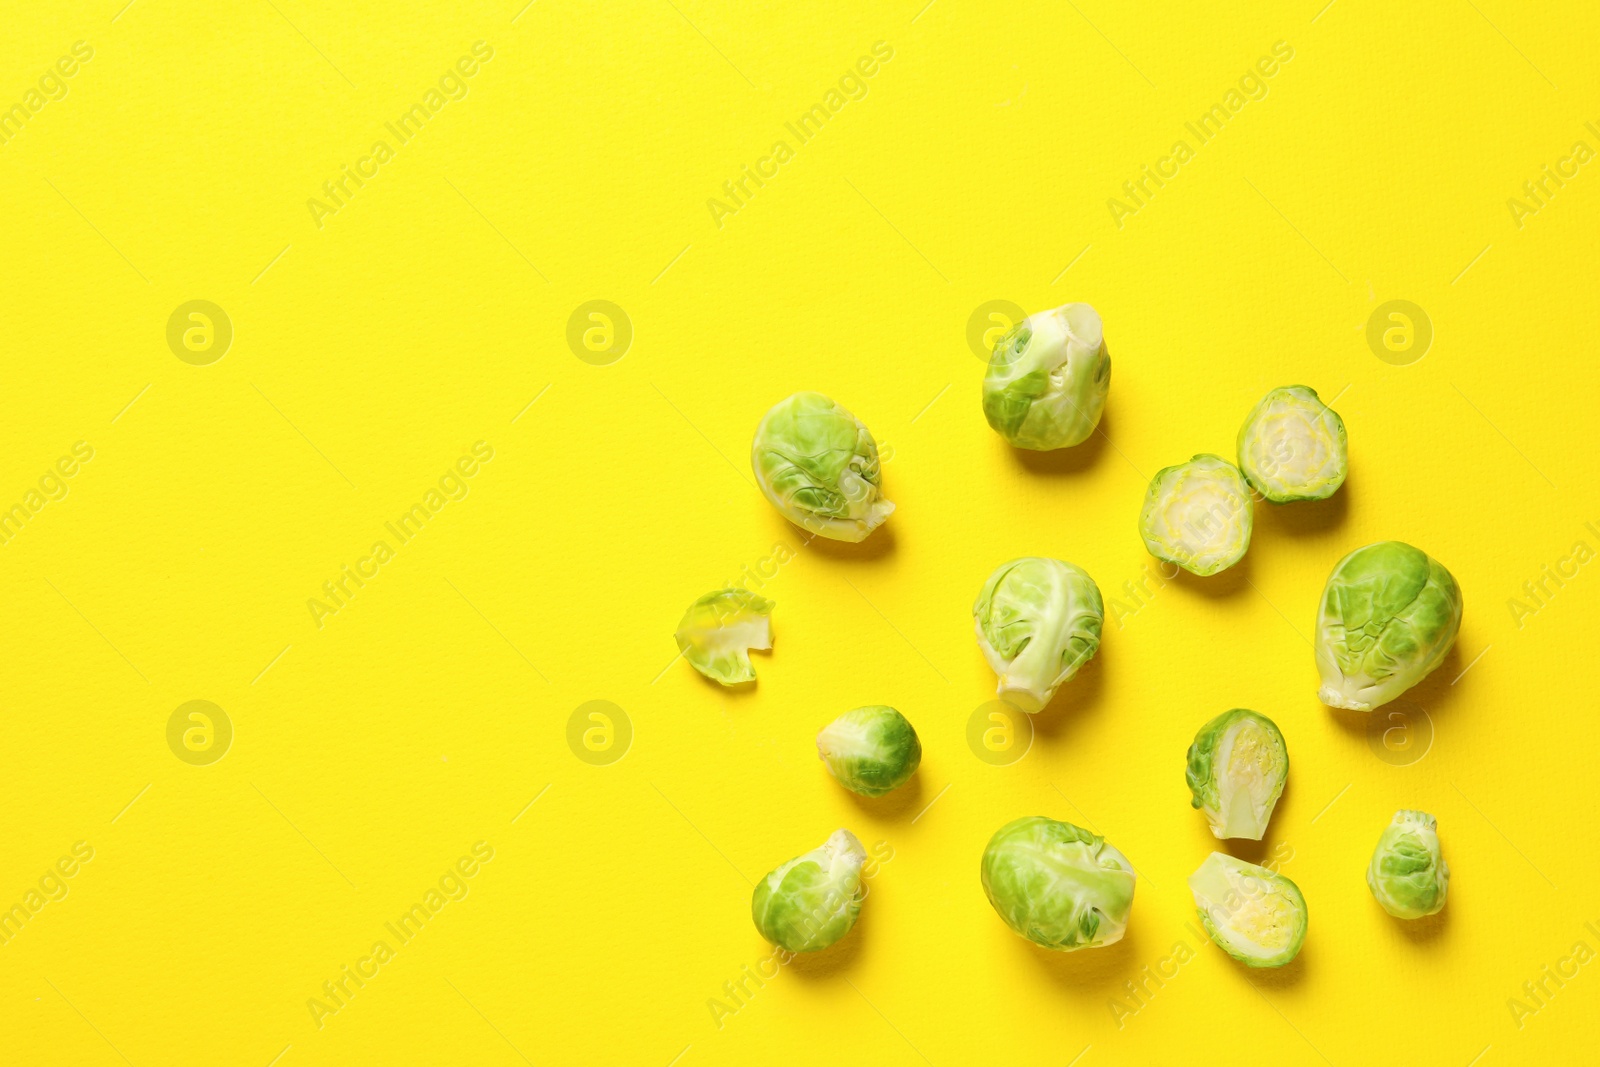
x=718, y=631
x=1058, y=885
x=813, y=900
x=1038, y=620
x=1198, y=515
x=1237, y=767
x=1407, y=874
x=1292, y=446
x=819, y=466
x=1047, y=380
x=1254, y=915
x=1389, y=616
x=870, y=750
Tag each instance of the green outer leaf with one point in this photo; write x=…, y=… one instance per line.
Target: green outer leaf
x=1038, y=620
x=1058, y=885
x=818, y=465
x=1256, y=450
x=1214, y=891
x=1389, y=615
x=813, y=900
x=870, y=750
x=1408, y=874
x=1048, y=378
x=1203, y=772
x=1204, y=542
x=718, y=631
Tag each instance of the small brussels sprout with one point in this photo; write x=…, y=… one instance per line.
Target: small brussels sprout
x=1048, y=378
x=813, y=900
x=1038, y=620
x=1407, y=874
x=1292, y=446
x=1058, y=885
x=870, y=750
x=1198, y=515
x=719, y=630
x=1237, y=766
x=1389, y=616
x=1254, y=915
x=819, y=466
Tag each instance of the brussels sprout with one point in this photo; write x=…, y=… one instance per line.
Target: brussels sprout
x=1389, y=616
x=1058, y=885
x=819, y=466
x=1038, y=620
x=1198, y=515
x=1237, y=766
x=870, y=750
x=1254, y=915
x=1292, y=446
x=1407, y=874
x=718, y=631
x=813, y=900
x=1048, y=378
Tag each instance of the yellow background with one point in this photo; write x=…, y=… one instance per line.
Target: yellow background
x=371, y=753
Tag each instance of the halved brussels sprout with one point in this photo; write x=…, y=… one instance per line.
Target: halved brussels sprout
x=1407, y=873
x=1198, y=515
x=718, y=631
x=819, y=466
x=1047, y=380
x=1237, y=767
x=1292, y=446
x=1038, y=620
x=813, y=900
x=1389, y=616
x=870, y=750
x=1254, y=915
x=1058, y=885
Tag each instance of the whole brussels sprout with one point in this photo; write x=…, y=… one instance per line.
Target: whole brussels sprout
x=1389, y=616
x=870, y=750
x=1237, y=767
x=1198, y=515
x=1038, y=620
x=1407, y=874
x=1254, y=915
x=813, y=900
x=1058, y=885
x=1292, y=446
x=819, y=466
x=1047, y=380
x=719, y=630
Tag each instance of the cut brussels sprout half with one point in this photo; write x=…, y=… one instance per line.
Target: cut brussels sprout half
x=1389, y=616
x=1408, y=875
x=870, y=750
x=1058, y=885
x=813, y=900
x=819, y=466
x=1292, y=446
x=1198, y=515
x=1038, y=620
x=1047, y=380
x=1254, y=915
x=1237, y=767
x=719, y=630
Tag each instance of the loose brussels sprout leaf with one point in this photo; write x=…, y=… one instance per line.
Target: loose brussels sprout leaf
x=1407, y=874
x=1058, y=885
x=1048, y=378
x=1389, y=616
x=1292, y=446
x=1038, y=620
x=1254, y=915
x=819, y=466
x=1198, y=515
x=718, y=631
x=813, y=900
x=870, y=750
x=1237, y=766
